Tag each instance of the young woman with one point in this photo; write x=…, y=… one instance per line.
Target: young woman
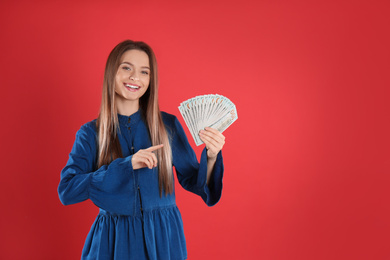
x=123, y=160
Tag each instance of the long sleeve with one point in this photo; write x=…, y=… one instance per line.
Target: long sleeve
x=191, y=174
x=109, y=187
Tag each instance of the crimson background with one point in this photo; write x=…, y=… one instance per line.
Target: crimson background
x=307, y=162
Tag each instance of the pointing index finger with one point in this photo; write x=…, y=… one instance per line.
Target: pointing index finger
x=154, y=148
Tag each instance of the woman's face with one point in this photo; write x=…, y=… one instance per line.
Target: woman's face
x=133, y=76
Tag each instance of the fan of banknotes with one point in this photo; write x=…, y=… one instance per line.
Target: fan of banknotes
x=214, y=111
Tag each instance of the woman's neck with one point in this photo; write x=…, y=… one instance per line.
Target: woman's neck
x=126, y=107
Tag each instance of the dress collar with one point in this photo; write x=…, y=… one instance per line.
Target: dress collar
x=130, y=120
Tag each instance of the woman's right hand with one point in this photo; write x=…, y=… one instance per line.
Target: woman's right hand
x=145, y=158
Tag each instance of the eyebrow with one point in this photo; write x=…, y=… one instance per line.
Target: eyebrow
x=129, y=63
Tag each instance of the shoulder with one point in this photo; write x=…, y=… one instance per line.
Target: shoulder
x=171, y=123
x=87, y=132
x=89, y=127
x=176, y=133
x=168, y=119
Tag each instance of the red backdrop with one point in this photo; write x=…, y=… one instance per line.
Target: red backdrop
x=307, y=162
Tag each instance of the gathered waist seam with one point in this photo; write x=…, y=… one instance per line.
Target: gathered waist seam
x=105, y=213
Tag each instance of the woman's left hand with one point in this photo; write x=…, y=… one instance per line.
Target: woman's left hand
x=213, y=140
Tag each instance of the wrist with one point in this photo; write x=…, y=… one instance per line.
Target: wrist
x=212, y=158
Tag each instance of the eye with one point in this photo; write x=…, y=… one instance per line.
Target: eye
x=145, y=72
x=126, y=68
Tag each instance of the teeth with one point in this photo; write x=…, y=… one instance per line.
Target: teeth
x=130, y=86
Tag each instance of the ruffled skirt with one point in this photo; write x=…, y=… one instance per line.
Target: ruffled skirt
x=157, y=234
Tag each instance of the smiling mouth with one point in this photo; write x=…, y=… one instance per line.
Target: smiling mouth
x=131, y=86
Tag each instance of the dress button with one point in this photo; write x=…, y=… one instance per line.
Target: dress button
x=128, y=121
x=129, y=127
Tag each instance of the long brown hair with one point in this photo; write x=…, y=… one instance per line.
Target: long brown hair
x=107, y=123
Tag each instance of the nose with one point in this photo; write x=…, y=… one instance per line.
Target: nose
x=134, y=76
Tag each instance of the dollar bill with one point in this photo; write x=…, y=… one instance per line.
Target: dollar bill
x=213, y=110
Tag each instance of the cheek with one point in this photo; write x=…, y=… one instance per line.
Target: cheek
x=147, y=82
x=120, y=76
x=118, y=80
x=116, y=86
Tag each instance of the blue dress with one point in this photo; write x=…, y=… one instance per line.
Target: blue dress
x=134, y=222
